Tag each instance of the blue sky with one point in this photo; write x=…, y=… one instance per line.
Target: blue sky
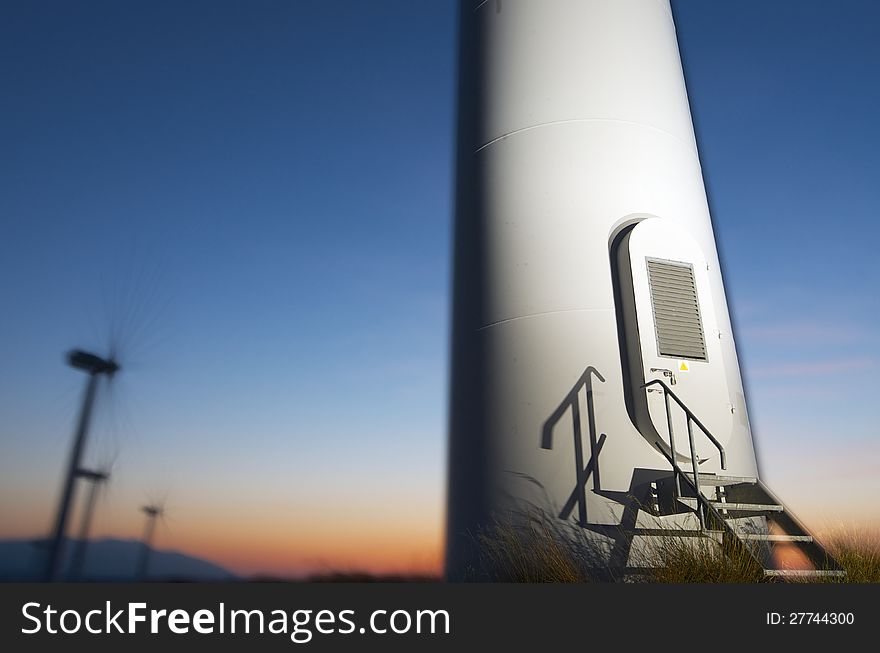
x=259, y=195
x=785, y=105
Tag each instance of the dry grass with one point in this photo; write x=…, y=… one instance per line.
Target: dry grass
x=537, y=549
x=541, y=549
x=701, y=560
x=858, y=552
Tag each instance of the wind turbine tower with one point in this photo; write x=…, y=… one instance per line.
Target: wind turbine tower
x=152, y=511
x=97, y=480
x=95, y=367
x=594, y=372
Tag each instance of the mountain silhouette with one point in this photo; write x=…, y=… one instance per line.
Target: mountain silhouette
x=106, y=560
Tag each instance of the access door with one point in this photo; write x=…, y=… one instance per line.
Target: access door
x=671, y=334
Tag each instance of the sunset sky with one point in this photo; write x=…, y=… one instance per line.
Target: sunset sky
x=251, y=203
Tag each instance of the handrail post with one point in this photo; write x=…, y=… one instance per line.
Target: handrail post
x=696, y=474
x=676, y=490
x=688, y=413
x=704, y=508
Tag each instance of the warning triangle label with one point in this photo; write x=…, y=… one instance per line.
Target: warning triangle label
x=683, y=367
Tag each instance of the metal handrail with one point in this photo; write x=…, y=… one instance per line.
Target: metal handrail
x=676, y=470
x=687, y=411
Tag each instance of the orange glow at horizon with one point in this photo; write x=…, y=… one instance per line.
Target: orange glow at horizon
x=261, y=547
x=267, y=531
x=281, y=540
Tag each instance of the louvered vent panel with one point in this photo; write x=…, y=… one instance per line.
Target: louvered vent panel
x=676, y=310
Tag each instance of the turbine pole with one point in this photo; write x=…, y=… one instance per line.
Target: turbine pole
x=151, y=512
x=79, y=553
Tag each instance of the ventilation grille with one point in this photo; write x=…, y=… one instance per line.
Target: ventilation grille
x=676, y=310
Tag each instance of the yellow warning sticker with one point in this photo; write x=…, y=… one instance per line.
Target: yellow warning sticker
x=683, y=367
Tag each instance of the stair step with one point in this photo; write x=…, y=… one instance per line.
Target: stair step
x=760, y=537
x=804, y=573
x=717, y=480
x=691, y=502
x=675, y=532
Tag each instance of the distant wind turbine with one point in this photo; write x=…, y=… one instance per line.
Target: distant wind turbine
x=95, y=367
x=152, y=511
x=97, y=479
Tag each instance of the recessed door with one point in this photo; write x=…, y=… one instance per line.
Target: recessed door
x=670, y=333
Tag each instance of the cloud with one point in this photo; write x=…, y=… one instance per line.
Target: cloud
x=813, y=368
x=826, y=485
x=801, y=332
x=847, y=460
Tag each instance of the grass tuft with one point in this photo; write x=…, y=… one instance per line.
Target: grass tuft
x=858, y=552
x=702, y=560
x=537, y=549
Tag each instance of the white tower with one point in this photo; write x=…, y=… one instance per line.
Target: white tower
x=585, y=267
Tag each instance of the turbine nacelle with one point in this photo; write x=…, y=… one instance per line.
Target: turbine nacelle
x=91, y=363
x=92, y=475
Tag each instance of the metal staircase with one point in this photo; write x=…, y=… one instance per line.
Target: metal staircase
x=741, y=510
